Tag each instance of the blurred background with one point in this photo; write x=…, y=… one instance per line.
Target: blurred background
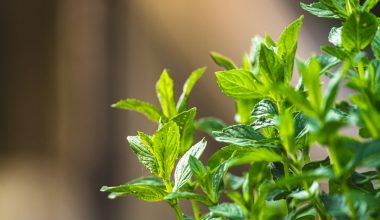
x=64, y=62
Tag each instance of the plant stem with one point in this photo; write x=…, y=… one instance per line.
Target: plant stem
x=178, y=211
x=196, y=212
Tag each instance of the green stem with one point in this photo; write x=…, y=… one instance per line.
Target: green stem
x=196, y=211
x=361, y=70
x=178, y=211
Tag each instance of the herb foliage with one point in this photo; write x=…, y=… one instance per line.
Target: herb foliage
x=277, y=125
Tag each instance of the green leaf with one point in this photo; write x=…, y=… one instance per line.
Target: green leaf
x=242, y=135
x=352, y=6
x=246, y=63
x=369, y=4
x=244, y=108
x=165, y=93
x=185, y=122
x=228, y=210
x=286, y=130
x=264, y=108
x=287, y=46
x=337, y=52
x=143, y=154
x=209, y=124
x=150, y=189
x=238, y=84
x=147, y=141
x=271, y=65
x=331, y=92
x=358, y=31
x=336, y=6
x=318, y=9
x=243, y=155
x=311, y=79
x=277, y=209
x=197, y=167
x=375, y=45
x=166, y=148
x=335, y=36
x=190, y=196
x=297, y=99
x=217, y=181
x=367, y=155
x=182, y=103
x=182, y=172
x=223, y=61
x=149, y=110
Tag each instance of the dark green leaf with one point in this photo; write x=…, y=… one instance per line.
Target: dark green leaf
x=182, y=103
x=182, y=172
x=197, y=167
x=238, y=84
x=264, y=108
x=336, y=52
x=217, y=181
x=263, y=123
x=143, y=154
x=189, y=196
x=223, y=61
x=358, y=31
x=149, y=110
x=209, y=124
x=271, y=65
x=336, y=6
x=228, y=210
x=318, y=9
x=165, y=93
x=242, y=135
x=150, y=189
x=375, y=45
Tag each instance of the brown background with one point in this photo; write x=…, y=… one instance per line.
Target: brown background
x=63, y=62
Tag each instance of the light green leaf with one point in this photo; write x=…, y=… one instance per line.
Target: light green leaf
x=369, y=4
x=228, y=210
x=297, y=99
x=242, y=135
x=335, y=36
x=318, y=9
x=286, y=130
x=185, y=122
x=246, y=62
x=147, y=141
x=358, y=31
x=209, y=124
x=243, y=110
x=352, y=6
x=264, y=108
x=149, y=110
x=311, y=79
x=182, y=103
x=217, y=181
x=271, y=65
x=182, y=173
x=375, y=45
x=150, y=189
x=337, y=52
x=165, y=93
x=287, y=46
x=223, y=61
x=166, y=148
x=143, y=154
x=276, y=209
x=238, y=84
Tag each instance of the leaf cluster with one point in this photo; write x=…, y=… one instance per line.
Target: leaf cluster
x=277, y=124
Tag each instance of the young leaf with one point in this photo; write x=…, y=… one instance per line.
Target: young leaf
x=228, y=210
x=335, y=36
x=242, y=135
x=312, y=83
x=166, y=148
x=190, y=196
x=358, y=31
x=336, y=6
x=271, y=65
x=286, y=130
x=375, y=45
x=209, y=124
x=287, y=46
x=319, y=9
x=197, y=167
x=217, y=181
x=337, y=52
x=182, y=103
x=238, y=84
x=165, y=93
x=150, y=189
x=182, y=172
x=149, y=110
x=143, y=154
x=223, y=61
x=243, y=110
x=185, y=122
x=369, y=4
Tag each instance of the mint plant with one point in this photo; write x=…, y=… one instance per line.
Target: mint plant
x=277, y=125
